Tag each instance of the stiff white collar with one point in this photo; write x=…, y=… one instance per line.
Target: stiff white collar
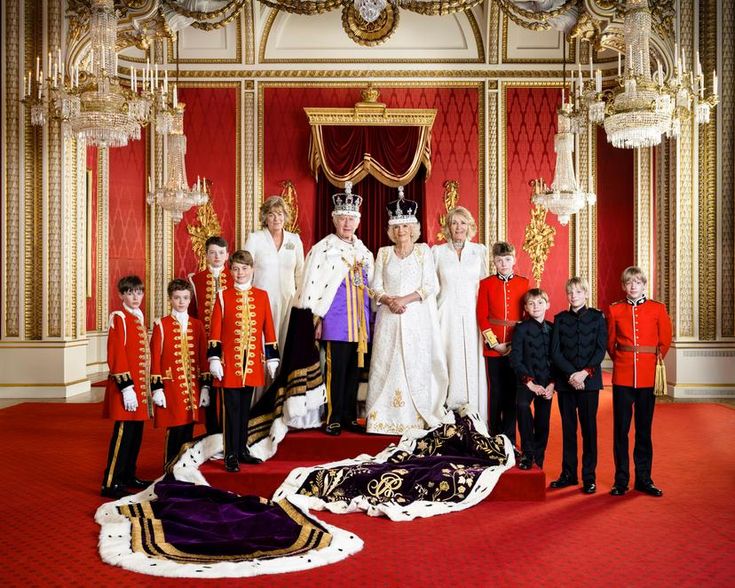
x=243, y=287
x=216, y=271
x=136, y=312
x=182, y=317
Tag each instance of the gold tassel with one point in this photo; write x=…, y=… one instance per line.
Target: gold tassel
x=362, y=346
x=659, y=382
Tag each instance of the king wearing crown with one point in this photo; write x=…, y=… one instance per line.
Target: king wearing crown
x=337, y=272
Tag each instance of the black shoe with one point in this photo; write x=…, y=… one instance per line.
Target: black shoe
x=589, y=488
x=137, y=483
x=245, y=457
x=563, y=481
x=231, y=464
x=518, y=455
x=618, y=490
x=115, y=491
x=333, y=429
x=526, y=463
x=356, y=427
x=649, y=489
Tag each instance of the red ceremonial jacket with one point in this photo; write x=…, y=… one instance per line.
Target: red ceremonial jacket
x=242, y=336
x=206, y=287
x=178, y=363
x=127, y=358
x=499, y=309
x=634, y=332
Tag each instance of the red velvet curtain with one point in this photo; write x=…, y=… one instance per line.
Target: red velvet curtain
x=375, y=197
x=393, y=148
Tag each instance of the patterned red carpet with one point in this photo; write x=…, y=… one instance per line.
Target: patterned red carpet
x=53, y=455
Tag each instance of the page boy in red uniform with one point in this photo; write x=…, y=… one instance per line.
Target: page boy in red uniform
x=242, y=337
x=179, y=370
x=638, y=329
x=206, y=284
x=499, y=310
x=127, y=399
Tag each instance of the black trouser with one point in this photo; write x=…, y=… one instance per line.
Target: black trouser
x=342, y=380
x=624, y=398
x=122, y=456
x=176, y=437
x=236, y=402
x=584, y=403
x=212, y=420
x=502, y=397
x=534, y=427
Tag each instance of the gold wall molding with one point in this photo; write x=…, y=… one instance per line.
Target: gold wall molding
x=493, y=32
x=643, y=211
x=552, y=75
x=247, y=202
x=273, y=14
x=707, y=174
x=488, y=214
x=726, y=124
x=662, y=202
x=583, y=228
x=103, y=239
x=11, y=193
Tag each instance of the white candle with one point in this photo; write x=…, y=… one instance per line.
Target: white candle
x=683, y=60
x=150, y=185
x=115, y=63
x=56, y=73
x=25, y=86
x=592, y=73
x=48, y=68
x=714, y=82
x=660, y=74
x=155, y=77
x=562, y=96
x=38, y=67
x=176, y=100
x=165, y=82
x=598, y=81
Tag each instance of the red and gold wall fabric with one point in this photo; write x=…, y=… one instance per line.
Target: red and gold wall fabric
x=127, y=226
x=91, y=166
x=615, y=218
x=454, y=146
x=529, y=154
x=211, y=122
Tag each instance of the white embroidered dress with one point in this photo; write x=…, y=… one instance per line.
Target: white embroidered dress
x=278, y=272
x=408, y=377
x=459, y=280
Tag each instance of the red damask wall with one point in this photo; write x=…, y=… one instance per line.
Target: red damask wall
x=210, y=125
x=615, y=218
x=127, y=229
x=530, y=129
x=92, y=301
x=455, y=152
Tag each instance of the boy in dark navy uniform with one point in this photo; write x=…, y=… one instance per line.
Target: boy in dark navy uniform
x=578, y=344
x=530, y=358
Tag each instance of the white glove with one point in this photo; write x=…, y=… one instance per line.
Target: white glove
x=130, y=399
x=204, y=397
x=215, y=368
x=159, y=398
x=272, y=366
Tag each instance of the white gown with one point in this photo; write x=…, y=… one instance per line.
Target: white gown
x=278, y=272
x=459, y=280
x=408, y=375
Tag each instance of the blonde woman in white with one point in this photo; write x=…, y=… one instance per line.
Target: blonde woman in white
x=408, y=378
x=279, y=261
x=460, y=265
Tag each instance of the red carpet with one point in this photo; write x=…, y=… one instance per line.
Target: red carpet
x=53, y=455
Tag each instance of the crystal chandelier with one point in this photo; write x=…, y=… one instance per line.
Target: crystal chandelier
x=369, y=10
x=94, y=103
x=174, y=194
x=565, y=197
x=643, y=108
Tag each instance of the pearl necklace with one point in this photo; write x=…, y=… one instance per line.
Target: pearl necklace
x=459, y=244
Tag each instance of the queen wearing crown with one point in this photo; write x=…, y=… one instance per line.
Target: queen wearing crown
x=408, y=375
x=335, y=282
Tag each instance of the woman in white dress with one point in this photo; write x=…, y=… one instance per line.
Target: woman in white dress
x=279, y=261
x=460, y=265
x=408, y=378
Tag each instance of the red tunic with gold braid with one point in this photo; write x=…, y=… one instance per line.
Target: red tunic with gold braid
x=499, y=309
x=242, y=336
x=179, y=366
x=635, y=332
x=206, y=287
x=127, y=358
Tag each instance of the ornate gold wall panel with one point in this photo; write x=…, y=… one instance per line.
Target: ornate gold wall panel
x=492, y=32
x=642, y=210
x=11, y=287
x=583, y=229
x=248, y=27
x=726, y=116
x=32, y=190
x=249, y=198
x=308, y=74
x=103, y=239
x=662, y=203
x=708, y=269
x=489, y=212
x=686, y=156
